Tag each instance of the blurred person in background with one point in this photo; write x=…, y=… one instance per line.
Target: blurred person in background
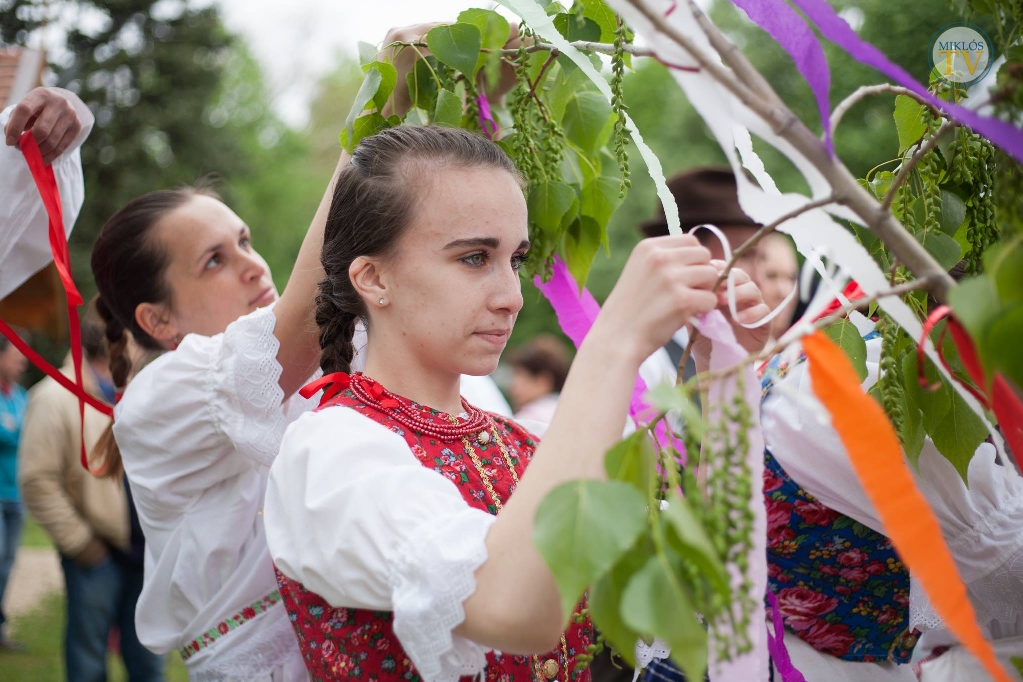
x=777, y=273
x=91, y=519
x=12, y=412
x=538, y=371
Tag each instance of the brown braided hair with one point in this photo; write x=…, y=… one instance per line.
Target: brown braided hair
x=372, y=205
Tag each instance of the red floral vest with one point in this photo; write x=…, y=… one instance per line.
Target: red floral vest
x=343, y=644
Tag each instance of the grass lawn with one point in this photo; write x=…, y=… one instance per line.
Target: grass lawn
x=42, y=632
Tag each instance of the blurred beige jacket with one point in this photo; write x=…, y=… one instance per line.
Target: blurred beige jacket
x=70, y=503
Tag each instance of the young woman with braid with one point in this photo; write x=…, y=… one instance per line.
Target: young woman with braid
x=390, y=514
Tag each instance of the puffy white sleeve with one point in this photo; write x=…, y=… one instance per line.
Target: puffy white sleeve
x=982, y=523
x=353, y=515
x=205, y=412
x=24, y=232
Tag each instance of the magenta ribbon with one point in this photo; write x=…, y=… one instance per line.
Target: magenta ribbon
x=577, y=310
x=776, y=645
x=792, y=33
x=487, y=122
x=835, y=29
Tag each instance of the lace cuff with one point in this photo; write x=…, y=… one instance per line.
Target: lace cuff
x=242, y=386
x=433, y=577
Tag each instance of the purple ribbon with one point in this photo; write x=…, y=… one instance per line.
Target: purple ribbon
x=835, y=29
x=776, y=645
x=487, y=122
x=792, y=33
x=576, y=311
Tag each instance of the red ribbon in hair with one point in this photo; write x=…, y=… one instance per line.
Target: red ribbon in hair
x=995, y=395
x=46, y=183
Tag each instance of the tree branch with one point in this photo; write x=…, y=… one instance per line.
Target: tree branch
x=539, y=76
x=899, y=291
x=785, y=124
x=908, y=166
x=867, y=90
x=582, y=45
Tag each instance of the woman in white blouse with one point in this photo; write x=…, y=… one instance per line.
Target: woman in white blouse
x=982, y=524
x=367, y=513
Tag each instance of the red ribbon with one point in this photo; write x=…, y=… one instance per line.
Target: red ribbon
x=997, y=395
x=46, y=183
x=331, y=384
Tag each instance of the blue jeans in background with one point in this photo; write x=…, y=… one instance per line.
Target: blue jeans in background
x=98, y=598
x=10, y=535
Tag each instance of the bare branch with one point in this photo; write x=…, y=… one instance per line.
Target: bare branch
x=908, y=166
x=539, y=46
x=899, y=291
x=867, y=90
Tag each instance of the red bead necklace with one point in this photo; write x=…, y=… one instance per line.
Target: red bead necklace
x=412, y=416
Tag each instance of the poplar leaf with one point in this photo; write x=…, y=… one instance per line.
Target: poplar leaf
x=564, y=532
x=548, y=203
x=845, y=335
x=369, y=87
x=457, y=45
x=388, y=79
x=908, y=121
x=449, y=108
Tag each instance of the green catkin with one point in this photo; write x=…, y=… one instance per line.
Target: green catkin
x=982, y=231
x=892, y=392
x=524, y=144
x=621, y=136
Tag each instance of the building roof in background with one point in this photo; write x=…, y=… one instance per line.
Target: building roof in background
x=21, y=69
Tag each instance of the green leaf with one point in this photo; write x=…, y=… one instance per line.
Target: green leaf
x=563, y=532
x=601, y=198
x=422, y=84
x=369, y=87
x=567, y=82
x=575, y=27
x=1003, y=263
x=457, y=45
x=364, y=126
x=880, y=183
x=847, y=337
x=1001, y=350
x=945, y=249
x=908, y=121
x=934, y=404
x=976, y=304
x=912, y=435
x=694, y=545
x=416, y=117
x=548, y=203
x=1017, y=663
x=953, y=212
x=494, y=29
x=581, y=243
x=495, y=32
x=668, y=397
x=958, y=434
x=449, y=108
x=632, y=461
x=388, y=79
x=603, y=16
x=605, y=596
x=367, y=53
x=656, y=603
x=587, y=120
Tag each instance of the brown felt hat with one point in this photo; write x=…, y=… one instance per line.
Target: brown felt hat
x=703, y=195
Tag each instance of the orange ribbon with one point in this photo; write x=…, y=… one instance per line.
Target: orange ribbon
x=876, y=456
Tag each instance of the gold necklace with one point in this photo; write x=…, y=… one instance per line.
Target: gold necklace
x=549, y=669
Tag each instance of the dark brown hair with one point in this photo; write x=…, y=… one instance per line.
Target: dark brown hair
x=372, y=205
x=543, y=354
x=129, y=267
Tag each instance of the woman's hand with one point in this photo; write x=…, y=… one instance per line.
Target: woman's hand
x=666, y=282
x=52, y=119
x=750, y=307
